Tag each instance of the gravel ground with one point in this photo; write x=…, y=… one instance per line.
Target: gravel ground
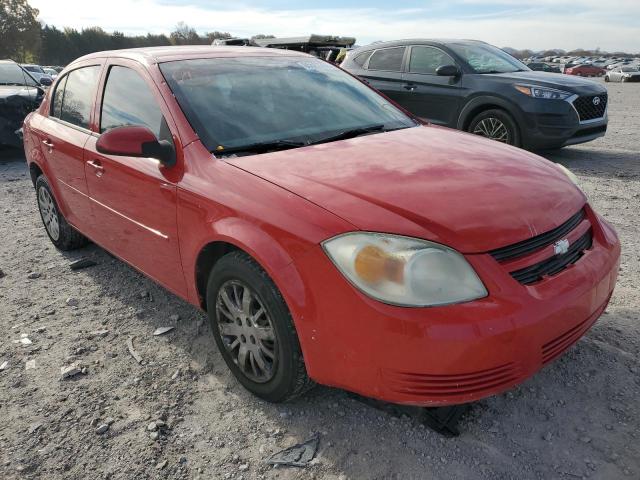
x=180, y=413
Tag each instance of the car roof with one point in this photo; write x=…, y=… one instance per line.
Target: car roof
x=420, y=41
x=151, y=55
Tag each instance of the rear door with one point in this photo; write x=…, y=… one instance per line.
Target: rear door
x=432, y=97
x=134, y=200
x=63, y=134
x=383, y=71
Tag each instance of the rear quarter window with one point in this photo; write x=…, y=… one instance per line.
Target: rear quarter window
x=362, y=58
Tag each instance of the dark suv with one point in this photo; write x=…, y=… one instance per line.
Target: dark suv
x=474, y=86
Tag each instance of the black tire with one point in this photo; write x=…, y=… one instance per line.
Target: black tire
x=68, y=238
x=289, y=376
x=606, y=78
x=512, y=133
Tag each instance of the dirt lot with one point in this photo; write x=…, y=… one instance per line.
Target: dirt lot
x=579, y=418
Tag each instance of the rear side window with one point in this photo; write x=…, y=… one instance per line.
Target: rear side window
x=118, y=109
x=58, y=95
x=389, y=59
x=79, y=93
x=428, y=59
x=361, y=58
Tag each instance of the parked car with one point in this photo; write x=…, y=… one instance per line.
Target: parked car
x=330, y=236
x=623, y=74
x=20, y=94
x=585, y=70
x=51, y=72
x=476, y=87
x=38, y=73
x=543, y=67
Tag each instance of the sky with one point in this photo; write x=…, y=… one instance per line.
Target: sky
x=536, y=24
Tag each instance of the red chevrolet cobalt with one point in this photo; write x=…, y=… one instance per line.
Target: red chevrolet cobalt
x=330, y=237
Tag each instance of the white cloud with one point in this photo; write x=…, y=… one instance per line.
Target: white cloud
x=590, y=24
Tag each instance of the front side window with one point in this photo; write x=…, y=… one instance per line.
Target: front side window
x=428, y=59
x=79, y=95
x=389, y=59
x=485, y=58
x=235, y=102
x=127, y=100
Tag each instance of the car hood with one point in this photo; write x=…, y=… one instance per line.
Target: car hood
x=553, y=80
x=18, y=90
x=435, y=183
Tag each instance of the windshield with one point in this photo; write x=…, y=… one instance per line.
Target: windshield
x=12, y=74
x=484, y=58
x=629, y=69
x=236, y=102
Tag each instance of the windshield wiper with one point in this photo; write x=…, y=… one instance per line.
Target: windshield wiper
x=262, y=147
x=354, y=132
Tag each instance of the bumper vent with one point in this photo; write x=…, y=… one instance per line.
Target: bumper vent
x=530, y=245
x=443, y=386
x=591, y=107
x=555, y=264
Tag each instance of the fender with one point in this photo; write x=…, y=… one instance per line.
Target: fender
x=270, y=255
x=487, y=100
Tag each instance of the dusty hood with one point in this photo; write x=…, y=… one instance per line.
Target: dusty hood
x=435, y=183
x=569, y=83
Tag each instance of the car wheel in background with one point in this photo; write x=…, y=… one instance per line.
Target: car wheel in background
x=254, y=330
x=62, y=235
x=496, y=125
x=606, y=78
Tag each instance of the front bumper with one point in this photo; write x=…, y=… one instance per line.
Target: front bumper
x=549, y=124
x=451, y=354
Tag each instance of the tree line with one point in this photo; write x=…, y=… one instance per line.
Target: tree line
x=24, y=39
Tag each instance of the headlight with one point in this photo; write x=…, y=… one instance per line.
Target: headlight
x=404, y=271
x=542, y=92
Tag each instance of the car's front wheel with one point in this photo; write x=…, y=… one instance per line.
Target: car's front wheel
x=62, y=235
x=496, y=125
x=254, y=330
x=606, y=78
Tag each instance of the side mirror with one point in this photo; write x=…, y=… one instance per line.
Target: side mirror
x=46, y=81
x=136, y=141
x=448, y=71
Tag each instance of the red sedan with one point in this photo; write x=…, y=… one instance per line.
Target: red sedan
x=329, y=236
x=585, y=71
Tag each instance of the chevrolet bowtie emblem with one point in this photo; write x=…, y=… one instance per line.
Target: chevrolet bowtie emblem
x=561, y=246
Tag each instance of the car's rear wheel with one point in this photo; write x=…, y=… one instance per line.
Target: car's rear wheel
x=496, y=125
x=254, y=330
x=62, y=235
x=606, y=78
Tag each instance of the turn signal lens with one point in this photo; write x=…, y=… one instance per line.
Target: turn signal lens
x=373, y=265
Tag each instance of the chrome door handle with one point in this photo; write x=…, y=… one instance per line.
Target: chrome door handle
x=48, y=143
x=97, y=166
x=409, y=86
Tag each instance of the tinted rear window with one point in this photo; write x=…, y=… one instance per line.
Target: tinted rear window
x=389, y=59
x=79, y=95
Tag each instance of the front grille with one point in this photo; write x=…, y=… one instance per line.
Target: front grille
x=555, y=264
x=588, y=110
x=530, y=245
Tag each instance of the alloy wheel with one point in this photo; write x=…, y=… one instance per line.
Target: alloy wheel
x=49, y=213
x=492, y=128
x=246, y=331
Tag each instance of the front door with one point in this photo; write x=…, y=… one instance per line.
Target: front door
x=134, y=200
x=435, y=98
